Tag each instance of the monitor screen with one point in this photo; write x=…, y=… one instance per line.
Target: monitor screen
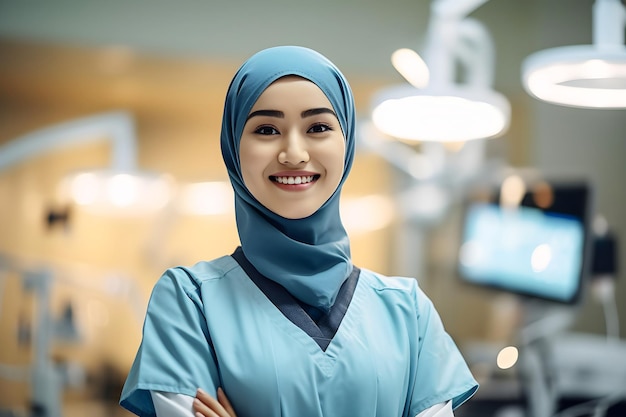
x=527, y=249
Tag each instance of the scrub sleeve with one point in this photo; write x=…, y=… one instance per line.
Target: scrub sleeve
x=174, y=321
x=442, y=373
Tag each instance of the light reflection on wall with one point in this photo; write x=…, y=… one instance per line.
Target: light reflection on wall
x=367, y=213
x=206, y=198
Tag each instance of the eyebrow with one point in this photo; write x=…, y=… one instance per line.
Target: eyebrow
x=271, y=113
x=280, y=114
x=316, y=111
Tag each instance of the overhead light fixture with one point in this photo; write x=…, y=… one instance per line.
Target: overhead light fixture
x=121, y=188
x=434, y=106
x=586, y=76
x=446, y=114
x=110, y=191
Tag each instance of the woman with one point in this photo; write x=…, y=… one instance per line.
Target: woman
x=287, y=325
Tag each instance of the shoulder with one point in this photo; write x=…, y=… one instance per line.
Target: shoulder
x=205, y=270
x=187, y=280
x=396, y=289
x=380, y=282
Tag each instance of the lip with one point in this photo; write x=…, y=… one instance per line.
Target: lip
x=294, y=187
x=299, y=173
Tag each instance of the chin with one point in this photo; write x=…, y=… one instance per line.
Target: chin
x=295, y=216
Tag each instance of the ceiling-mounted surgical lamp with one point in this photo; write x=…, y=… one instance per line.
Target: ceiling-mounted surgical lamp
x=587, y=76
x=118, y=189
x=435, y=106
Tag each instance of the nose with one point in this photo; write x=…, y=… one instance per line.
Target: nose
x=294, y=150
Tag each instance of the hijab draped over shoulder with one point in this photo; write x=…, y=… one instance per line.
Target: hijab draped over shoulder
x=310, y=257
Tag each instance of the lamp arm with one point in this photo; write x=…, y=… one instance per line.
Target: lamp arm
x=118, y=127
x=476, y=52
x=609, y=20
x=441, y=37
x=448, y=29
x=456, y=8
x=397, y=154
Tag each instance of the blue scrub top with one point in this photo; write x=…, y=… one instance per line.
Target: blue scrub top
x=210, y=325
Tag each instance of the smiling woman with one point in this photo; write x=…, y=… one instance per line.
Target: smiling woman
x=287, y=325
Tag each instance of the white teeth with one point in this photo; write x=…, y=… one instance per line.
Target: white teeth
x=294, y=180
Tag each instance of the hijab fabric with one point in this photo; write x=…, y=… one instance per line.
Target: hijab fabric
x=310, y=257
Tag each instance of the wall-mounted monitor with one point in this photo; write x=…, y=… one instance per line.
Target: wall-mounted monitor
x=537, y=247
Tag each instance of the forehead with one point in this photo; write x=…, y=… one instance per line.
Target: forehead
x=292, y=90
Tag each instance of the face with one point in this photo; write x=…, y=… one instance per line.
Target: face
x=292, y=148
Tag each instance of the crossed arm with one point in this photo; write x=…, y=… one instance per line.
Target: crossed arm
x=204, y=405
x=167, y=404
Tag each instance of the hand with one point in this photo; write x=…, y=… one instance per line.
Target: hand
x=206, y=406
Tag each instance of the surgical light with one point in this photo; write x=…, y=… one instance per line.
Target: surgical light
x=447, y=114
x=586, y=76
x=435, y=107
x=121, y=188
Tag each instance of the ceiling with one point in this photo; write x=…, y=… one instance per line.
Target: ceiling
x=358, y=35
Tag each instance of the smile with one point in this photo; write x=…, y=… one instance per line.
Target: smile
x=295, y=180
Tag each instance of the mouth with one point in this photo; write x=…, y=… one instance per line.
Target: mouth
x=294, y=179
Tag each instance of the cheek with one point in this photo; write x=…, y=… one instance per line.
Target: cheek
x=336, y=160
x=251, y=167
x=252, y=173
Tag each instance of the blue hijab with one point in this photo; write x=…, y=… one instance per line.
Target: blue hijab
x=310, y=257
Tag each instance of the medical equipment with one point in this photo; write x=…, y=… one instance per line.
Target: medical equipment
x=543, y=244
x=537, y=246
x=47, y=380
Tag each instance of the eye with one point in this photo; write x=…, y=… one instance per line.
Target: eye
x=266, y=130
x=319, y=128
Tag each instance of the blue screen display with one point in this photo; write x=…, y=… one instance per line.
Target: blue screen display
x=523, y=250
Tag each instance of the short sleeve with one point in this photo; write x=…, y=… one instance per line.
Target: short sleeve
x=176, y=353
x=442, y=373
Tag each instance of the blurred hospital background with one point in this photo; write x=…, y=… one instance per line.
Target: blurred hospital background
x=490, y=166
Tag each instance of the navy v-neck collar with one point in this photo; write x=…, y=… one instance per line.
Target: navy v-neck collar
x=319, y=326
